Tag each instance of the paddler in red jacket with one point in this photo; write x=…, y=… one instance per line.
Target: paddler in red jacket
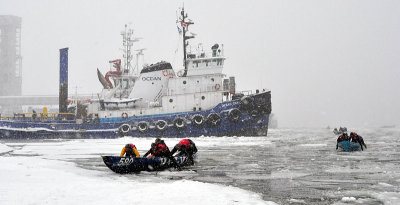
x=158, y=149
x=129, y=151
x=185, y=147
x=358, y=139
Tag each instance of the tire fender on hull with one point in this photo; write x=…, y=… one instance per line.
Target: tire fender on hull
x=255, y=113
x=124, y=129
x=161, y=125
x=197, y=120
x=246, y=103
x=143, y=127
x=180, y=123
x=214, y=119
x=234, y=115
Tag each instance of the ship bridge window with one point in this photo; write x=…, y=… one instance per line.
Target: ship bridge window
x=206, y=62
x=219, y=62
x=195, y=64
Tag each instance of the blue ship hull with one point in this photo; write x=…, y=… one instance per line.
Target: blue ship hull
x=253, y=121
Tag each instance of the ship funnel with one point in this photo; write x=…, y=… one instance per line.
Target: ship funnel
x=63, y=92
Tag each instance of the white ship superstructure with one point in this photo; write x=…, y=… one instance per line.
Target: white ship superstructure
x=159, y=90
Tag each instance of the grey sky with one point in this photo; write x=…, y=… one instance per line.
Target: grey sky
x=327, y=62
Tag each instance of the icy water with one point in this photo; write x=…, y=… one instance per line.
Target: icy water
x=302, y=166
x=289, y=166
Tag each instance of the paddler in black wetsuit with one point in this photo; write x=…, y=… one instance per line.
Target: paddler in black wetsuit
x=341, y=138
x=358, y=139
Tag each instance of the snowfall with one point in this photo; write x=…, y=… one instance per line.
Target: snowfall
x=289, y=166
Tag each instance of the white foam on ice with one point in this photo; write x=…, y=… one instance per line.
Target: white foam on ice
x=297, y=201
x=312, y=145
x=384, y=184
x=4, y=148
x=348, y=199
x=388, y=197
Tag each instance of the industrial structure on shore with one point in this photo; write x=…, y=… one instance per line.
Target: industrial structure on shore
x=11, y=99
x=10, y=56
x=10, y=59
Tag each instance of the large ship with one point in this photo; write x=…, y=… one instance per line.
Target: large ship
x=155, y=102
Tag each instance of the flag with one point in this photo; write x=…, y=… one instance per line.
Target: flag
x=184, y=25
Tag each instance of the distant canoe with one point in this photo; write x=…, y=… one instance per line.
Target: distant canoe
x=348, y=146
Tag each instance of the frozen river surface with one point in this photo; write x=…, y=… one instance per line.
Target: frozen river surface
x=289, y=166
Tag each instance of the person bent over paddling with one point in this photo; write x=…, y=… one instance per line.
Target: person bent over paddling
x=185, y=147
x=358, y=139
x=129, y=151
x=160, y=149
x=341, y=138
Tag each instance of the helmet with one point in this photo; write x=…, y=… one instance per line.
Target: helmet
x=158, y=140
x=178, y=146
x=128, y=146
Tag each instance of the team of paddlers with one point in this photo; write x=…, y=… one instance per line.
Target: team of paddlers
x=353, y=137
x=159, y=149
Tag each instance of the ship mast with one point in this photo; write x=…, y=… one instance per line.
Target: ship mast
x=185, y=28
x=139, y=53
x=127, y=40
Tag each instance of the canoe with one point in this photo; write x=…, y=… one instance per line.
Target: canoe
x=348, y=146
x=124, y=165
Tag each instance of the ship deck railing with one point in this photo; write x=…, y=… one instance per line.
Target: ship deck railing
x=41, y=117
x=205, y=55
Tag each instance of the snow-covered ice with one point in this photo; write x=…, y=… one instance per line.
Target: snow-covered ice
x=289, y=166
x=47, y=172
x=4, y=148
